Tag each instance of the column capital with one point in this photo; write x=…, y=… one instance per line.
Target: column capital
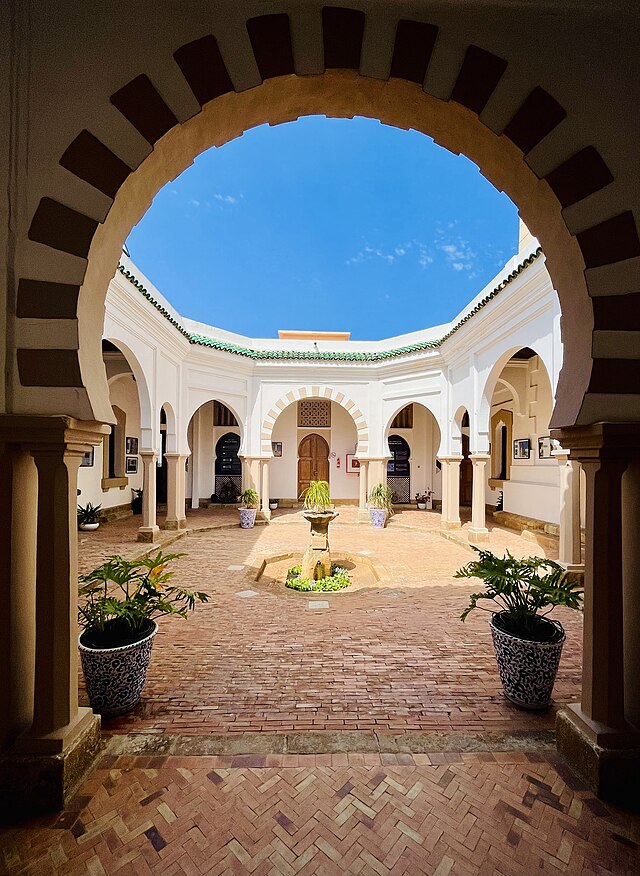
x=453, y=457
x=172, y=455
x=31, y=431
x=600, y=441
x=480, y=457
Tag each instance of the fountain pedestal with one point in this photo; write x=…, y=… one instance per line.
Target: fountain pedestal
x=316, y=562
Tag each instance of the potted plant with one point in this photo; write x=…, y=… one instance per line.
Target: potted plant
x=136, y=501
x=424, y=500
x=273, y=504
x=248, y=508
x=527, y=644
x=119, y=602
x=88, y=516
x=380, y=505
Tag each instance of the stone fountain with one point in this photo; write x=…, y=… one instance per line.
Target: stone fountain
x=316, y=562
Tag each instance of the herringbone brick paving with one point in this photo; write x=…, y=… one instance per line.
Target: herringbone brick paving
x=508, y=814
x=390, y=658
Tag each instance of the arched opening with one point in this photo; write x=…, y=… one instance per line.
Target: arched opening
x=333, y=439
x=399, y=470
x=412, y=436
x=466, y=466
x=215, y=469
x=526, y=144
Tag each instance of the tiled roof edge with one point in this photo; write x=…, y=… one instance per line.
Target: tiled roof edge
x=301, y=355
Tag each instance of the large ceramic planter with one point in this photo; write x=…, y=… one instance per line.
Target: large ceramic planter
x=247, y=517
x=378, y=517
x=115, y=676
x=527, y=669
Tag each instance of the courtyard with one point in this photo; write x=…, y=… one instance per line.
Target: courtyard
x=358, y=732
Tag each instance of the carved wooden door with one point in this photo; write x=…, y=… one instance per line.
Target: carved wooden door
x=313, y=461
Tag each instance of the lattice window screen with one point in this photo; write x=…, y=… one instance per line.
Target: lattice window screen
x=314, y=413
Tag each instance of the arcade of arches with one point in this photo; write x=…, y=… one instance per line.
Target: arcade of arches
x=93, y=139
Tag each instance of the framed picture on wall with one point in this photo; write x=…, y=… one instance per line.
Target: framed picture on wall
x=87, y=459
x=131, y=446
x=276, y=448
x=131, y=465
x=522, y=448
x=544, y=448
x=353, y=464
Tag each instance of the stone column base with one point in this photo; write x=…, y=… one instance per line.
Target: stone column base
x=32, y=783
x=607, y=760
x=478, y=535
x=264, y=515
x=450, y=524
x=149, y=534
x=173, y=525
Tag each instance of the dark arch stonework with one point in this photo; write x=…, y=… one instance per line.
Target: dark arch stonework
x=574, y=259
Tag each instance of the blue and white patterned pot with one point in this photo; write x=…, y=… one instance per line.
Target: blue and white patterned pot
x=378, y=517
x=115, y=676
x=247, y=517
x=527, y=669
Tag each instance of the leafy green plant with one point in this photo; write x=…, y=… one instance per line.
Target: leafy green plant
x=316, y=497
x=88, y=513
x=249, y=499
x=381, y=496
x=522, y=591
x=338, y=580
x=120, y=598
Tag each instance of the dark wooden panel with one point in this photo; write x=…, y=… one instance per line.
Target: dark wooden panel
x=271, y=43
x=619, y=376
x=39, y=299
x=342, y=30
x=203, y=68
x=49, y=368
x=611, y=241
x=62, y=228
x=579, y=176
x=88, y=158
x=537, y=117
x=140, y=103
x=412, y=50
x=617, y=312
x=478, y=77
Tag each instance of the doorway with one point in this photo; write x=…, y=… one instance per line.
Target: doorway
x=313, y=461
x=466, y=473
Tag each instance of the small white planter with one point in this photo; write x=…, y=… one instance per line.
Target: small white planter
x=115, y=676
x=247, y=517
x=273, y=506
x=422, y=506
x=378, y=517
x=88, y=527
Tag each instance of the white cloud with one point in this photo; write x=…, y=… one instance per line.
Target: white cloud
x=407, y=248
x=459, y=255
x=225, y=199
x=194, y=202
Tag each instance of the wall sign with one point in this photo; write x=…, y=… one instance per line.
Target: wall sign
x=276, y=448
x=353, y=464
x=522, y=448
x=131, y=446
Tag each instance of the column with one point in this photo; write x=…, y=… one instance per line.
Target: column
x=478, y=531
x=570, y=549
x=265, y=511
x=176, y=517
x=149, y=530
x=196, y=463
x=450, y=492
x=600, y=736
x=631, y=591
x=363, y=472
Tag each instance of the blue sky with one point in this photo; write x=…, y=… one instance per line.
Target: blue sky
x=326, y=224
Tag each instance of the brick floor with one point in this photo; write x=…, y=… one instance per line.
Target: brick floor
x=390, y=658
x=461, y=814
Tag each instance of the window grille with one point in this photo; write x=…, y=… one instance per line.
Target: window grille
x=314, y=413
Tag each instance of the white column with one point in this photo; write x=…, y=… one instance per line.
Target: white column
x=176, y=518
x=196, y=462
x=478, y=531
x=450, y=492
x=363, y=474
x=264, y=492
x=570, y=553
x=149, y=530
